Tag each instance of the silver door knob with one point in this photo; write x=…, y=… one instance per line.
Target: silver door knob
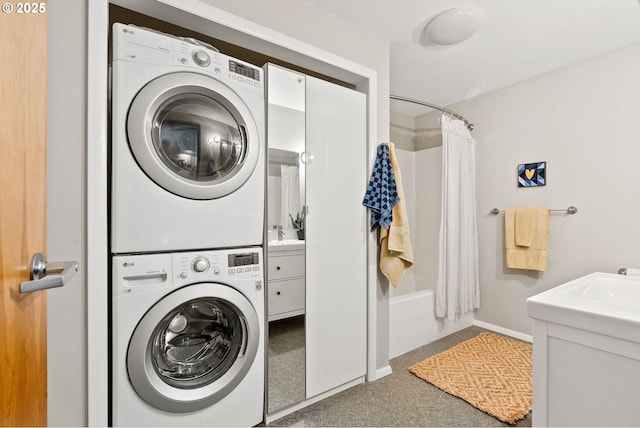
x=43, y=276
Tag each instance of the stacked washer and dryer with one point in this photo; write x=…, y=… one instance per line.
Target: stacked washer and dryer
x=187, y=210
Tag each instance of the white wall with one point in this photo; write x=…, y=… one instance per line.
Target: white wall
x=583, y=121
x=406, y=162
x=66, y=332
x=402, y=130
x=421, y=176
x=419, y=152
x=309, y=24
x=428, y=195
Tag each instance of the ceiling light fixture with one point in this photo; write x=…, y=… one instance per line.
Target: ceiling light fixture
x=452, y=26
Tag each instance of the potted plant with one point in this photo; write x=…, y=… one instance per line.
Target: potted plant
x=297, y=223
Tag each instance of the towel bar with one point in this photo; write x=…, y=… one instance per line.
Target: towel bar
x=570, y=210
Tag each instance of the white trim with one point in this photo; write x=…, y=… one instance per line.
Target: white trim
x=370, y=87
x=96, y=228
x=207, y=19
x=382, y=372
x=540, y=378
x=282, y=413
x=505, y=331
x=213, y=14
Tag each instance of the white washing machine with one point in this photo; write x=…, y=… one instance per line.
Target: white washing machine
x=188, y=339
x=187, y=145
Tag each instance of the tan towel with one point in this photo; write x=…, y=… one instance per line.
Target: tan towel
x=396, y=253
x=524, y=225
x=535, y=228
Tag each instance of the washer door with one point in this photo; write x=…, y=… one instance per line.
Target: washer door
x=193, y=347
x=193, y=135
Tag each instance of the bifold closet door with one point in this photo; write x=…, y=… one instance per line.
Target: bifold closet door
x=335, y=235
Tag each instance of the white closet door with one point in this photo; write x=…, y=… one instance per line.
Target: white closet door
x=336, y=235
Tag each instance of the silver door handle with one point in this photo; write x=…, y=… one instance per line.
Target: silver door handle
x=42, y=277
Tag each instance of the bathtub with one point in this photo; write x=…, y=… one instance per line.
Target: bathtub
x=412, y=322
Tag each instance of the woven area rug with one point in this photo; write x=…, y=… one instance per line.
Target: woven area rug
x=490, y=372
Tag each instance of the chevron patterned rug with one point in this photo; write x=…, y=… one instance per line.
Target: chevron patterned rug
x=490, y=372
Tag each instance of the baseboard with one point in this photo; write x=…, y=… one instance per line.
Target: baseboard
x=382, y=372
x=505, y=331
x=282, y=413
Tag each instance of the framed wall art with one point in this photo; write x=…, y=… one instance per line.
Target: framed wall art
x=532, y=174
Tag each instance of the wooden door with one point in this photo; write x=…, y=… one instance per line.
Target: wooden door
x=23, y=330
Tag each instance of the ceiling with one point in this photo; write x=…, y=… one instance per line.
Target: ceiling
x=517, y=40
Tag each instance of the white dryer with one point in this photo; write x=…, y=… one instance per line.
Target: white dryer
x=187, y=145
x=188, y=339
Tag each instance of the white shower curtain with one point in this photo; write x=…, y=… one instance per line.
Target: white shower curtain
x=458, y=289
x=290, y=194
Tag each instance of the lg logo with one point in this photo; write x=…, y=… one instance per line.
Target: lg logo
x=127, y=264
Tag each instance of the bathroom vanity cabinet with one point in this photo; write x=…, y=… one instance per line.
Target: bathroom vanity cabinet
x=581, y=378
x=285, y=288
x=586, y=352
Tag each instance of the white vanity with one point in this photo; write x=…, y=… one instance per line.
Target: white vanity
x=285, y=289
x=586, y=352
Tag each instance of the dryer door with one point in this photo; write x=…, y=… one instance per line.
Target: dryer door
x=193, y=347
x=193, y=135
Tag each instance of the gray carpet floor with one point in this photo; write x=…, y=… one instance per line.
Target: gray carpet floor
x=400, y=399
x=286, y=363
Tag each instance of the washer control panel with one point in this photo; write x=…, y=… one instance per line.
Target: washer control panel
x=140, y=273
x=201, y=57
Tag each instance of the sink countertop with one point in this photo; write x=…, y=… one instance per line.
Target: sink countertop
x=286, y=245
x=600, y=302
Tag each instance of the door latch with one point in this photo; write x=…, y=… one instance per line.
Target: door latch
x=47, y=275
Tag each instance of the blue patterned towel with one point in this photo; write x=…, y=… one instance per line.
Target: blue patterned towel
x=381, y=195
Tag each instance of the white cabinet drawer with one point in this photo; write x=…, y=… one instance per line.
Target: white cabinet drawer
x=281, y=267
x=285, y=297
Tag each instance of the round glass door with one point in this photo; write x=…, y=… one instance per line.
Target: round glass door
x=193, y=347
x=198, y=138
x=193, y=136
x=196, y=342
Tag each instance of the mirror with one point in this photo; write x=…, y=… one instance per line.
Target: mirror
x=285, y=252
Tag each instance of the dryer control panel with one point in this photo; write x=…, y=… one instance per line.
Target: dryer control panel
x=143, y=45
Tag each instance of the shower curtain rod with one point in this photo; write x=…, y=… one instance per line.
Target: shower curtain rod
x=442, y=109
